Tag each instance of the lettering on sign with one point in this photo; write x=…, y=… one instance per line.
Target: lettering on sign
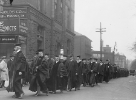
x=4, y=28
x=13, y=13
x=9, y=26
x=8, y=39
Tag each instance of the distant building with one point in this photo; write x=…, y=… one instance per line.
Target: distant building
x=120, y=60
x=82, y=46
x=105, y=56
x=107, y=49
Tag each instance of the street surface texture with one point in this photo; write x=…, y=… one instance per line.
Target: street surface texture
x=116, y=89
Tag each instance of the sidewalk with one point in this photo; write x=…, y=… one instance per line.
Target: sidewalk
x=1, y=89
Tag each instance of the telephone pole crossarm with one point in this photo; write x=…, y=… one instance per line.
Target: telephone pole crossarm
x=101, y=30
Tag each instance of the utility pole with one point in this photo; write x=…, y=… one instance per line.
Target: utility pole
x=101, y=30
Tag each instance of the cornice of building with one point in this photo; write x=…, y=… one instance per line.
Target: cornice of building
x=25, y=6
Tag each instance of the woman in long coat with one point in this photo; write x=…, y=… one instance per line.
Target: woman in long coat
x=3, y=71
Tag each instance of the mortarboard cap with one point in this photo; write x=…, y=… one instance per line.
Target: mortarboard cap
x=40, y=50
x=18, y=44
x=65, y=55
x=83, y=59
x=71, y=56
x=78, y=56
x=11, y=55
x=56, y=56
x=107, y=60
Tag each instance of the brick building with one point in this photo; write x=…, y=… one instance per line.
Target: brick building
x=45, y=24
x=82, y=46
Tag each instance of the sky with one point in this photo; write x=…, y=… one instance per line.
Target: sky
x=117, y=16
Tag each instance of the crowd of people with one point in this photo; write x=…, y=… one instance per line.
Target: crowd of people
x=44, y=74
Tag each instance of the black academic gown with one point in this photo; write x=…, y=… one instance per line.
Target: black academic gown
x=40, y=75
x=19, y=66
x=72, y=69
x=53, y=77
x=107, y=72
x=80, y=72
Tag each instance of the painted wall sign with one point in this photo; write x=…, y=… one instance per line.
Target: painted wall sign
x=8, y=39
x=9, y=26
x=13, y=13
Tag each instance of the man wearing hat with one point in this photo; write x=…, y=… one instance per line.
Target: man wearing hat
x=53, y=86
x=65, y=62
x=40, y=76
x=84, y=71
x=107, y=71
x=79, y=71
x=72, y=69
x=101, y=71
x=61, y=73
x=93, y=70
x=19, y=71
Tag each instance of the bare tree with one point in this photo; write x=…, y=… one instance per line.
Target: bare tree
x=134, y=47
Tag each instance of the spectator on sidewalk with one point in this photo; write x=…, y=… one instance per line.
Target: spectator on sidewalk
x=3, y=71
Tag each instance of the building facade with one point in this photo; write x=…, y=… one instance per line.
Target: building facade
x=82, y=46
x=37, y=24
x=105, y=56
x=107, y=49
x=120, y=60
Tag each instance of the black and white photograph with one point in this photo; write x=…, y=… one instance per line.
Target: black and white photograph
x=68, y=49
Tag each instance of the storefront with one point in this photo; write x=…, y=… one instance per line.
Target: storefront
x=13, y=29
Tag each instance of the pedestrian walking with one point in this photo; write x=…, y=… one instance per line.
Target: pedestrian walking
x=54, y=80
x=18, y=72
x=61, y=73
x=40, y=76
x=107, y=71
x=72, y=79
x=80, y=72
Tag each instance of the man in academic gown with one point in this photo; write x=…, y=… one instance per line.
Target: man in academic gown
x=72, y=72
x=41, y=75
x=18, y=71
x=107, y=71
x=50, y=65
x=80, y=72
x=54, y=74
x=65, y=62
x=84, y=72
x=61, y=73
x=93, y=70
x=101, y=71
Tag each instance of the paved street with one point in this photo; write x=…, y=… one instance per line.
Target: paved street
x=116, y=89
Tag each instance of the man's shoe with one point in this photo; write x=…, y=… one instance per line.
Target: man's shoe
x=21, y=96
x=14, y=96
x=37, y=94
